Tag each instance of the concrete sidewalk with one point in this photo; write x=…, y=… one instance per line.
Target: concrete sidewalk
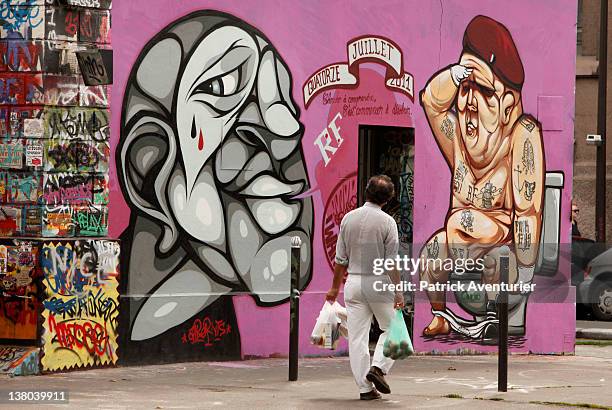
x=592, y=333
x=598, y=330
x=418, y=382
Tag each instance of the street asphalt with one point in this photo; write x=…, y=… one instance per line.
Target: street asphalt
x=326, y=383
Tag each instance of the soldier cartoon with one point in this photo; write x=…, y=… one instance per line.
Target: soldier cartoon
x=475, y=113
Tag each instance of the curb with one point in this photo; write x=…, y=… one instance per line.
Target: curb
x=596, y=334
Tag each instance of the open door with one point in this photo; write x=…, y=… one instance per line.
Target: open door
x=390, y=151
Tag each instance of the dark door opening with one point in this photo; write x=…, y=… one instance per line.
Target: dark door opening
x=390, y=151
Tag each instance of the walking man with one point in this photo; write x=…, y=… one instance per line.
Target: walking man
x=575, y=210
x=366, y=234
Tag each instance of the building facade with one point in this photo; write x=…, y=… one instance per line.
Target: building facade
x=240, y=128
x=587, y=80
x=236, y=126
x=58, y=266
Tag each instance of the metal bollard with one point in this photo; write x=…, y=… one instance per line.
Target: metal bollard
x=502, y=315
x=294, y=308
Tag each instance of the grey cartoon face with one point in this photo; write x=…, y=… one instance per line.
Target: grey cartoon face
x=223, y=169
x=216, y=82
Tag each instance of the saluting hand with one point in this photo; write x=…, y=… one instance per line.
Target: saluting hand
x=460, y=72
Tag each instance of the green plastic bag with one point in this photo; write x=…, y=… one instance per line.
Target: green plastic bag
x=398, y=344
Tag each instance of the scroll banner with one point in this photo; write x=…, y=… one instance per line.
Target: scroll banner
x=360, y=50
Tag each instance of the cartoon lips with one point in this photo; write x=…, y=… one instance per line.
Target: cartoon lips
x=472, y=123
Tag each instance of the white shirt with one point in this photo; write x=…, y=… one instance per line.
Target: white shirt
x=366, y=233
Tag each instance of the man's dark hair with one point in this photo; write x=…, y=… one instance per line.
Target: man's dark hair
x=380, y=189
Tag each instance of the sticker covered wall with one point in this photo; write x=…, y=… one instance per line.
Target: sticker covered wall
x=54, y=129
x=54, y=181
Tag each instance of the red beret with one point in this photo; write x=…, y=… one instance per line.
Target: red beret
x=491, y=41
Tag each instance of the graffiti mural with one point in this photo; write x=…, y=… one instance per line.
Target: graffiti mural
x=20, y=55
x=496, y=156
x=94, y=96
x=238, y=130
x=54, y=182
x=19, y=361
x=78, y=124
x=342, y=199
x=94, y=26
x=21, y=88
x=210, y=161
x=81, y=305
x=397, y=161
x=20, y=121
x=61, y=23
x=67, y=188
x=23, y=188
x=21, y=19
x=19, y=299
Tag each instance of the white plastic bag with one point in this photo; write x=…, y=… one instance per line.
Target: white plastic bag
x=341, y=315
x=327, y=329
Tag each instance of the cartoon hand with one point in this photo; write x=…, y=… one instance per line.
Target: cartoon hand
x=460, y=73
x=490, y=266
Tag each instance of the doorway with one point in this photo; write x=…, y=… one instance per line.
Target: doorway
x=390, y=151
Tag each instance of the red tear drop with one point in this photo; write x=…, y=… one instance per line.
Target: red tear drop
x=201, y=141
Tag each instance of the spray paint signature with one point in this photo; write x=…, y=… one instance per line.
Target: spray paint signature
x=14, y=15
x=206, y=331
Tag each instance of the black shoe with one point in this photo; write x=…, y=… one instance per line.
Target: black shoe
x=371, y=395
x=376, y=376
x=490, y=333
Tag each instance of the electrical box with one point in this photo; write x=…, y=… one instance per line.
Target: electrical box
x=594, y=139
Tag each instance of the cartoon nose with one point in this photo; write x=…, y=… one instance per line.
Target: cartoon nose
x=471, y=101
x=273, y=122
x=256, y=134
x=275, y=110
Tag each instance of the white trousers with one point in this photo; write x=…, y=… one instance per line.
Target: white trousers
x=361, y=303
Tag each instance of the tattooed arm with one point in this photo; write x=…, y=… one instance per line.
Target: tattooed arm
x=437, y=99
x=528, y=172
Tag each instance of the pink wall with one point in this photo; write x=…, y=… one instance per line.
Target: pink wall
x=312, y=34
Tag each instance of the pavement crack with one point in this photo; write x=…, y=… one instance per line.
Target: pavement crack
x=566, y=404
x=225, y=388
x=564, y=386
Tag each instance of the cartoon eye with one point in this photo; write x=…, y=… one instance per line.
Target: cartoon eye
x=223, y=85
x=487, y=92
